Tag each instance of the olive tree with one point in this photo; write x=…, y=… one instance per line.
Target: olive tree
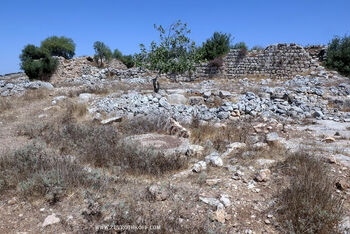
x=59, y=46
x=102, y=53
x=175, y=53
x=37, y=63
x=338, y=55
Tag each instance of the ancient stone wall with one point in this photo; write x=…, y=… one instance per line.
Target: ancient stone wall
x=275, y=61
x=79, y=66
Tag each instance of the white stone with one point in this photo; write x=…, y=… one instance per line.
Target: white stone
x=199, y=166
x=51, y=219
x=111, y=120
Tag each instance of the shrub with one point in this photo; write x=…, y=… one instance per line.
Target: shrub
x=217, y=45
x=257, y=48
x=35, y=172
x=338, y=55
x=5, y=104
x=216, y=62
x=36, y=63
x=117, y=54
x=102, y=53
x=128, y=60
x=309, y=204
x=59, y=46
x=243, y=48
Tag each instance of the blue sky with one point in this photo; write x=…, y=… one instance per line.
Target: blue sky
x=126, y=24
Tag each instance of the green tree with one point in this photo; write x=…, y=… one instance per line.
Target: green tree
x=338, y=55
x=243, y=48
x=102, y=53
x=257, y=48
x=37, y=63
x=117, y=54
x=59, y=46
x=175, y=53
x=128, y=60
x=217, y=45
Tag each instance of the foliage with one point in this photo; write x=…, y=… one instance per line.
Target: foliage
x=243, y=48
x=309, y=204
x=128, y=60
x=117, y=54
x=257, y=47
x=175, y=53
x=216, y=62
x=34, y=171
x=59, y=46
x=338, y=55
x=102, y=53
x=37, y=63
x=216, y=46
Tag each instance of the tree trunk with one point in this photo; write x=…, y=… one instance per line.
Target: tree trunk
x=156, y=84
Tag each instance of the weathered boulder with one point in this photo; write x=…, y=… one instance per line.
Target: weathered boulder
x=177, y=99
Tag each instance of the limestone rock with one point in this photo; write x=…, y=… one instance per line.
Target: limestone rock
x=175, y=128
x=220, y=215
x=199, y=166
x=177, y=99
x=158, y=193
x=51, y=219
x=273, y=139
x=195, y=151
x=112, y=120
x=85, y=97
x=214, y=159
x=263, y=175
x=329, y=139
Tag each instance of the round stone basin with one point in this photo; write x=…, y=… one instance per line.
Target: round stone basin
x=160, y=142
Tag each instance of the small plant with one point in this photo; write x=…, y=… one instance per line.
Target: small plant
x=35, y=172
x=59, y=46
x=242, y=47
x=102, y=53
x=309, y=204
x=5, y=104
x=217, y=62
x=257, y=48
x=338, y=55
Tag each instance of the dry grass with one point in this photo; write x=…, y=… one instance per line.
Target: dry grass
x=220, y=137
x=142, y=125
x=309, y=204
x=5, y=104
x=103, y=146
x=33, y=171
x=346, y=106
x=8, y=103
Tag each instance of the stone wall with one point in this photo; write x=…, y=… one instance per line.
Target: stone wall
x=317, y=51
x=79, y=66
x=275, y=61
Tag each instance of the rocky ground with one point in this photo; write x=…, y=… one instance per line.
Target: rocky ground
x=229, y=141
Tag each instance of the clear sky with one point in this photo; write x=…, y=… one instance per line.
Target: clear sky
x=125, y=24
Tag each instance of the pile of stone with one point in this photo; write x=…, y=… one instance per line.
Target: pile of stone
x=79, y=66
x=299, y=98
x=16, y=85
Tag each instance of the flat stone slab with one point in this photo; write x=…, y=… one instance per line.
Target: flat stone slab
x=160, y=142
